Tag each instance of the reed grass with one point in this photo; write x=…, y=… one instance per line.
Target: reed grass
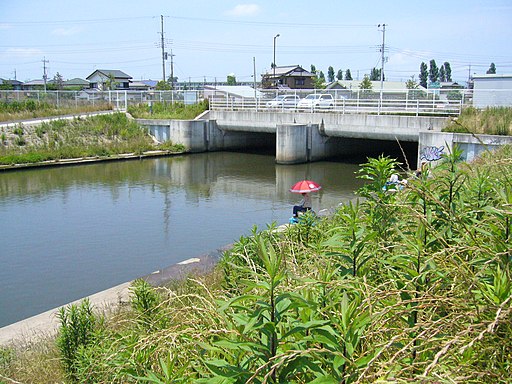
x=490, y=121
x=95, y=136
x=30, y=109
x=335, y=300
x=164, y=110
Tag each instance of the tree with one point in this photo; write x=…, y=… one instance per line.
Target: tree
x=231, y=79
x=492, y=69
x=433, y=73
x=448, y=71
x=412, y=87
x=375, y=74
x=339, y=75
x=58, y=80
x=111, y=82
x=321, y=76
x=442, y=74
x=163, y=86
x=411, y=83
x=366, y=84
x=423, y=75
x=330, y=74
x=348, y=75
x=313, y=69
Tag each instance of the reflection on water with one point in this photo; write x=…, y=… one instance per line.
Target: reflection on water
x=72, y=231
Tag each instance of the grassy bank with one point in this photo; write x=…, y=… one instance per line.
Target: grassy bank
x=159, y=110
x=491, y=121
x=412, y=286
x=30, y=109
x=103, y=135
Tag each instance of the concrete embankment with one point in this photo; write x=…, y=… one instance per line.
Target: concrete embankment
x=46, y=324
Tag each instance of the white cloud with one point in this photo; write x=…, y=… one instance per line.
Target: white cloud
x=244, y=10
x=66, y=31
x=22, y=52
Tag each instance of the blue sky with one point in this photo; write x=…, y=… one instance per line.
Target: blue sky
x=213, y=38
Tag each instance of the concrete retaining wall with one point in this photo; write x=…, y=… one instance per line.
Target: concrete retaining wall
x=432, y=145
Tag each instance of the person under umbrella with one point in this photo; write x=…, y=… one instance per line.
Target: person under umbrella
x=304, y=187
x=304, y=205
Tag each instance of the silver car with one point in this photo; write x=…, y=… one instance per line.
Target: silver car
x=283, y=101
x=316, y=101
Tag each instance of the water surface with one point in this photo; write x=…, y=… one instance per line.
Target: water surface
x=69, y=232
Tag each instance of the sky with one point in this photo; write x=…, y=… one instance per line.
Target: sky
x=211, y=39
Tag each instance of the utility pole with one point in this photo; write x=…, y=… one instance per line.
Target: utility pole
x=44, y=71
x=163, y=47
x=382, y=61
x=172, y=71
x=254, y=78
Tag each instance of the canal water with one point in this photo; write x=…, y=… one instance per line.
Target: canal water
x=69, y=232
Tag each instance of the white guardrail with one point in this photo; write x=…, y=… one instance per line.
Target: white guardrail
x=346, y=106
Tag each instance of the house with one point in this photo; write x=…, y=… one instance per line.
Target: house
x=11, y=84
x=292, y=77
x=492, y=91
x=76, y=83
x=143, y=85
x=37, y=84
x=390, y=89
x=101, y=79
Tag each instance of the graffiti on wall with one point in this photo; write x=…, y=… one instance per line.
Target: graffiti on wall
x=431, y=153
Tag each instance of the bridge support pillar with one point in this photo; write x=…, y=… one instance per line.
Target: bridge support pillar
x=292, y=144
x=302, y=143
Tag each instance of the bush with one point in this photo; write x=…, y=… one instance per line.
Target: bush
x=77, y=326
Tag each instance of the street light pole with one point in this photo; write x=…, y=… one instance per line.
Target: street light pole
x=274, y=63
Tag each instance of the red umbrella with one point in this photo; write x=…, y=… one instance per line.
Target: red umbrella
x=305, y=186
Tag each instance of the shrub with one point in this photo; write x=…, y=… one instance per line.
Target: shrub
x=77, y=326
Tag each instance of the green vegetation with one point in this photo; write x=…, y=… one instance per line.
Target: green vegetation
x=410, y=286
x=491, y=121
x=13, y=110
x=96, y=136
x=176, y=111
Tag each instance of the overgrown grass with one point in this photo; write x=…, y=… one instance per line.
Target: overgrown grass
x=411, y=286
x=491, y=121
x=164, y=110
x=29, y=109
x=97, y=136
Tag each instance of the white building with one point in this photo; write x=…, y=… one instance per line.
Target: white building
x=492, y=91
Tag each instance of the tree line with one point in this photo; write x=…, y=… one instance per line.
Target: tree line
x=428, y=73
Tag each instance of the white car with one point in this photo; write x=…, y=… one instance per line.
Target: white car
x=316, y=101
x=283, y=101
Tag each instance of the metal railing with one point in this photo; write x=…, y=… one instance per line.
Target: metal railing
x=120, y=99
x=417, y=102
x=414, y=107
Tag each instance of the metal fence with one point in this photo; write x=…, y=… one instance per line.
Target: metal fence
x=412, y=101
x=120, y=99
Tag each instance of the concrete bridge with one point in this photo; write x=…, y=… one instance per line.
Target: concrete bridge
x=298, y=137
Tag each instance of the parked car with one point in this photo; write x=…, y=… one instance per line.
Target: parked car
x=283, y=101
x=316, y=101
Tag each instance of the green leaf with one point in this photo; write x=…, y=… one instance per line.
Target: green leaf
x=324, y=380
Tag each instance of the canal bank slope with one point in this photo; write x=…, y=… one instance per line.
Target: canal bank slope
x=46, y=324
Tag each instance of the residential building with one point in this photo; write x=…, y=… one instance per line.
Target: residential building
x=291, y=77
x=492, y=91
x=101, y=79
